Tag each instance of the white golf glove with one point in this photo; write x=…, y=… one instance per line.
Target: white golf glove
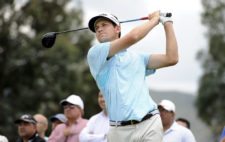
x=164, y=19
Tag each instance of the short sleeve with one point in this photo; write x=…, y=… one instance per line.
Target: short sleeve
x=146, y=62
x=97, y=57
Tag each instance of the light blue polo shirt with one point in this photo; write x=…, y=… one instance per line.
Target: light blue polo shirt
x=122, y=82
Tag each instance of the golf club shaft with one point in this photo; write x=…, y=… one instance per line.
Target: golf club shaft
x=146, y=18
x=133, y=20
x=126, y=21
x=71, y=30
x=85, y=28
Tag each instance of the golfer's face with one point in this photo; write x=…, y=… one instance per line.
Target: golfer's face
x=105, y=31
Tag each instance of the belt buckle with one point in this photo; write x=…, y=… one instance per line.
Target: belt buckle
x=118, y=123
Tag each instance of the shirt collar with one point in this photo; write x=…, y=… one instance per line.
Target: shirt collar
x=173, y=127
x=33, y=137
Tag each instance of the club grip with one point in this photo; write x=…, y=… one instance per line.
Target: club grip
x=168, y=14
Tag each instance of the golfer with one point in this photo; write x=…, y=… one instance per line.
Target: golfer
x=121, y=73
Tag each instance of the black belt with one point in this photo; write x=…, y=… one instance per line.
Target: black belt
x=132, y=122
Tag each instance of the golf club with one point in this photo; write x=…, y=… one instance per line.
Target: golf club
x=48, y=39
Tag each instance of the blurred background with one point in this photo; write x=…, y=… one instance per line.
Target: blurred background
x=34, y=79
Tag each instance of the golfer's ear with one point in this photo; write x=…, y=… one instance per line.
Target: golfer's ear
x=118, y=29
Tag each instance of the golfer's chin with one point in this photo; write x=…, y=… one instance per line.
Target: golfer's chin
x=103, y=39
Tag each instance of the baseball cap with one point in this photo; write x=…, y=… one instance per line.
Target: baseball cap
x=167, y=105
x=59, y=116
x=112, y=18
x=73, y=99
x=26, y=118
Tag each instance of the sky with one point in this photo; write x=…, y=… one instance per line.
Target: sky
x=190, y=34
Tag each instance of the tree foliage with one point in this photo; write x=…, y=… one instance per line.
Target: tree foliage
x=211, y=98
x=34, y=79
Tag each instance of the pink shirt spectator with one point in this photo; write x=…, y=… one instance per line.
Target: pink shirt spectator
x=57, y=134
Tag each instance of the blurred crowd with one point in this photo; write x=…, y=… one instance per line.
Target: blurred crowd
x=70, y=126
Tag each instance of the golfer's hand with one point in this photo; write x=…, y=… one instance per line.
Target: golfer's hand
x=154, y=16
x=164, y=20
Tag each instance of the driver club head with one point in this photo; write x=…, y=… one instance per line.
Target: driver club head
x=48, y=39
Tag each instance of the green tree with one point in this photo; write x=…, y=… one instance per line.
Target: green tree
x=211, y=93
x=34, y=79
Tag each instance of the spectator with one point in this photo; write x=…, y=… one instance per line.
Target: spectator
x=69, y=132
x=184, y=122
x=223, y=139
x=42, y=125
x=57, y=119
x=222, y=136
x=173, y=132
x=27, y=129
x=3, y=139
x=98, y=125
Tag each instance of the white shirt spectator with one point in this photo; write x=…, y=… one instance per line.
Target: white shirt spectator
x=96, y=129
x=178, y=133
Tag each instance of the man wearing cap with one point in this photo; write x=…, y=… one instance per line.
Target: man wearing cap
x=69, y=132
x=27, y=129
x=121, y=76
x=57, y=119
x=173, y=132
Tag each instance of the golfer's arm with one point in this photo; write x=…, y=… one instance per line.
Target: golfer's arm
x=171, y=57
x=132, y=37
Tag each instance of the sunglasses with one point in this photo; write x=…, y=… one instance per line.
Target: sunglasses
x=70, y=106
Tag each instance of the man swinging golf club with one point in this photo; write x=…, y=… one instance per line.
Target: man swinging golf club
x=120, y=75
